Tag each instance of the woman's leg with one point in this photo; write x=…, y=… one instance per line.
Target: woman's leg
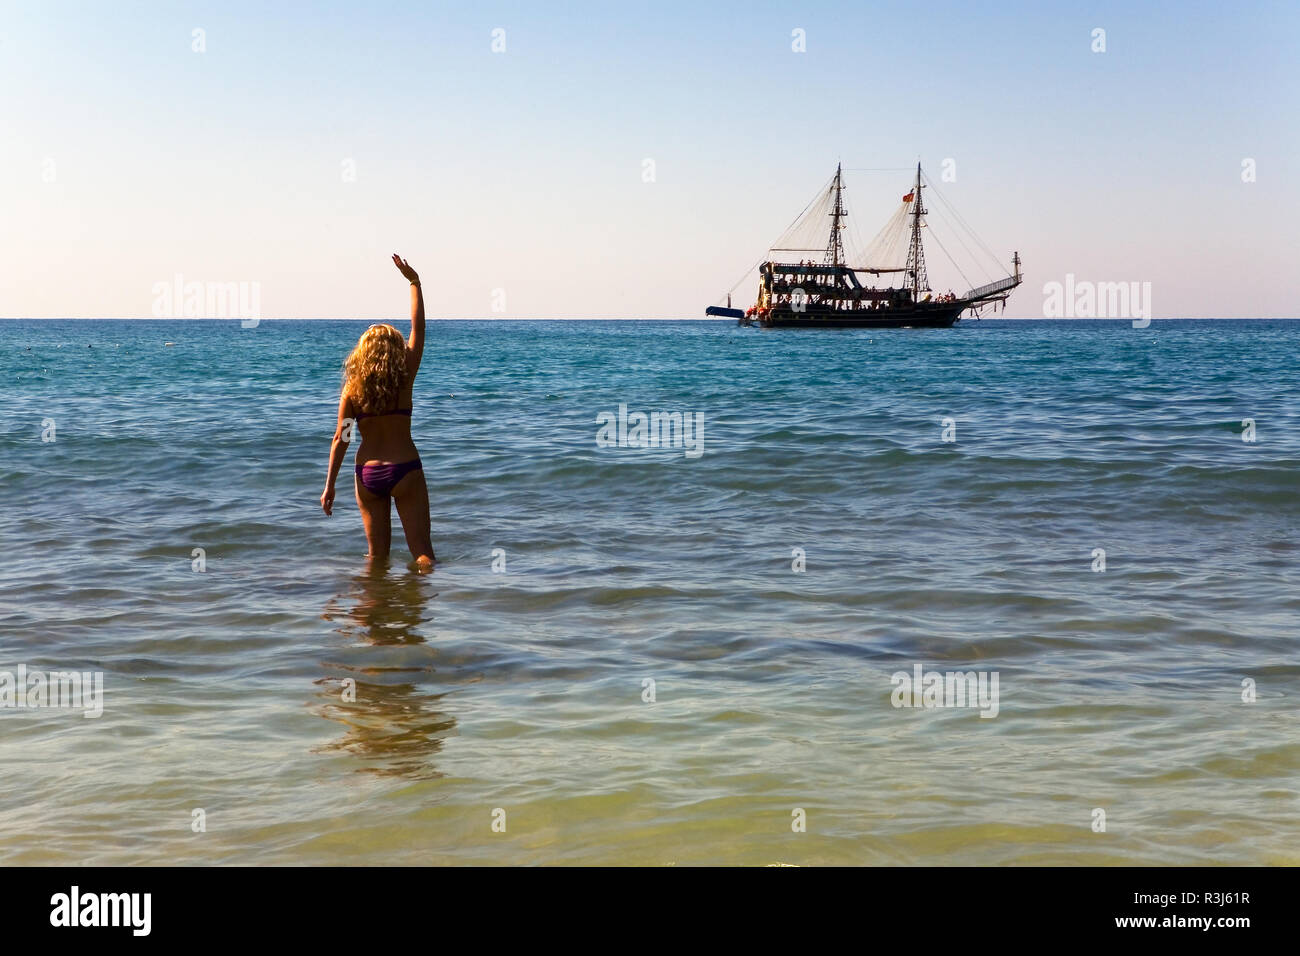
x=377, y=516
x=412, y=497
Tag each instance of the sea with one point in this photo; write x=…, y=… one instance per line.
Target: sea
x=1016, y=592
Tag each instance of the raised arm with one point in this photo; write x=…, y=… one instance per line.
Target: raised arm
x=414, y=345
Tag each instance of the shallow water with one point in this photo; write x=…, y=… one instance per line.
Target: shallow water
x=522, y=690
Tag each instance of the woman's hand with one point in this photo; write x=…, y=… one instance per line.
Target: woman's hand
x=327, y=500
x=405, y=269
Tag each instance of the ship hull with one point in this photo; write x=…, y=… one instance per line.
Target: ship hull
x=931, y=317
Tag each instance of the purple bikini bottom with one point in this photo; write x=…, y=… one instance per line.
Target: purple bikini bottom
x=381, y=479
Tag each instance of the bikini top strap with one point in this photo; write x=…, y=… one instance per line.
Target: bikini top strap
x=395, y=411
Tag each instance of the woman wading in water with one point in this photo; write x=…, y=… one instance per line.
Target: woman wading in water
x=377, y=380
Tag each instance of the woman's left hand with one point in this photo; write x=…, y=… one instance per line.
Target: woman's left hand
x=327, y=500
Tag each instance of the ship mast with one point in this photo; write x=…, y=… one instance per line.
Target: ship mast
x=835, y=245
x=915, y=253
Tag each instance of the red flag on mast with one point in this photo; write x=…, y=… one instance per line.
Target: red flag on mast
x=908, y=197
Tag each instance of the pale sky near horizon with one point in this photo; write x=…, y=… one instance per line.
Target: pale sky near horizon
x=128, y=158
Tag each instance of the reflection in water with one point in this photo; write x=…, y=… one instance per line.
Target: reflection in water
x=393, y=725
x=381, y=609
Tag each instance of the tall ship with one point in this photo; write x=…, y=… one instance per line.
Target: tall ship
x=840, y=291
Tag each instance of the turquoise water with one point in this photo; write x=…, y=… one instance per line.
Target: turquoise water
x=521, y=690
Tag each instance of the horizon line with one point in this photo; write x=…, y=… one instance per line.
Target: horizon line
x=567, y=318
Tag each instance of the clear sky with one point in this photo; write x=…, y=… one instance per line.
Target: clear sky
x=126, y=157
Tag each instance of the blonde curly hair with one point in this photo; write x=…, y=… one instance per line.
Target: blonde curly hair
x=375, y=373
